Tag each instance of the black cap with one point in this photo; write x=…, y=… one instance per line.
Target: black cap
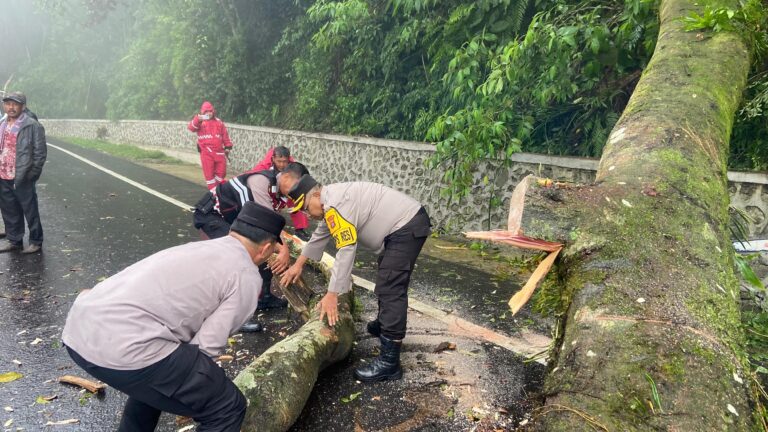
x=16, y=97
x=299, y=190
x=257, y=216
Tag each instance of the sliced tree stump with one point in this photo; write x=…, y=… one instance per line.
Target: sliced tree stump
x=540, y=204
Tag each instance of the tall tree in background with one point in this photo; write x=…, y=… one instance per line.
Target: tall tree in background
x=63, y=71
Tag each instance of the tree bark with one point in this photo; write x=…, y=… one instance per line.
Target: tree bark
x=278, y=383
x=651, y=339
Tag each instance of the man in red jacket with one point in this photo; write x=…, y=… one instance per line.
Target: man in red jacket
x=276, y=159
x=213, y=144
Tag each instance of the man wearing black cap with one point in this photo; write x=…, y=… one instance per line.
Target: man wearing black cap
x=150, y=331
x=22, y=155
x=218, y=208
x=377, y=218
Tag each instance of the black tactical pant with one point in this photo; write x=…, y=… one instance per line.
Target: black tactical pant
x=186, y=383
x=401, y=248
x=19, y=202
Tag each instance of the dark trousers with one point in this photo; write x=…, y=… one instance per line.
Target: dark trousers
x=186, y=383
x=212, y=225
x=18, y=202
x=401, y=248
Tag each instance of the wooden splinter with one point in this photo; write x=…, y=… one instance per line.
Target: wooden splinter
x=91, y=386
x=528, y=205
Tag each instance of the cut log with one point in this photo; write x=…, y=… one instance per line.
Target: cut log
x=278, y=383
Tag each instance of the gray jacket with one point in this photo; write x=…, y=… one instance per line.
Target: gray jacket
x=31, y=151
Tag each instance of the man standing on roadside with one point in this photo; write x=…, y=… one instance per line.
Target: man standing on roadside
x=213, y=144
x=22, y=155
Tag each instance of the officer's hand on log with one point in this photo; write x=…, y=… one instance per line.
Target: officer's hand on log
x=280, y=262
x=329, y=305
x=291, y=275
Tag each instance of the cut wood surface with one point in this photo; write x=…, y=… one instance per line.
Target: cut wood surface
x=521, y=297
x=299, y=296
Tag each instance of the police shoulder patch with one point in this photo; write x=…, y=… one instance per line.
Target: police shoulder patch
x=343, y=232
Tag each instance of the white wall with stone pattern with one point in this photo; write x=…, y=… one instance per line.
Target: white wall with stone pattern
x=398, y=164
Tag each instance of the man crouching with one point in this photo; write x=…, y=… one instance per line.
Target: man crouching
x=150, y=331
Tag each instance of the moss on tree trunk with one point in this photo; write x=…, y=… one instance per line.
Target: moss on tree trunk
x=654, y=298
x=278, y=383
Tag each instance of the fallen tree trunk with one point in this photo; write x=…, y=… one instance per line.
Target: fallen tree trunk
x=651, y=338
x=278, y=383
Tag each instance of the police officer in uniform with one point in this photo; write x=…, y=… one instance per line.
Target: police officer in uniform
x=377, y=218
x=217, y=209
x=151, y=330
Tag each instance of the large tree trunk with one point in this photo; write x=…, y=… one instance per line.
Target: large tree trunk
x=654, y=300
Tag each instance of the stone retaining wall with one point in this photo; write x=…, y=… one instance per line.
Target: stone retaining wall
x=399, y=164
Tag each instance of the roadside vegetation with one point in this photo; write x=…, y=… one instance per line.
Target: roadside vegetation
x=125, y=151
x=480, y=79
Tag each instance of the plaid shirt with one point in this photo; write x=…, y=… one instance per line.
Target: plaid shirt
x=8, y=137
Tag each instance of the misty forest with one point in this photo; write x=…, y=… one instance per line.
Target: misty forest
x=545, y=76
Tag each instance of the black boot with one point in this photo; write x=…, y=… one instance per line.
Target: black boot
x=384, y=367
x=374, y=327
x=269, y=301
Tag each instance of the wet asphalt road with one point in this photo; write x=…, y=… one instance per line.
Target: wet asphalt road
x=96, y=225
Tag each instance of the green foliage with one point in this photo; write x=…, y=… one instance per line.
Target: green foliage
x=654, y=393
x=482, y=79
x=557, y=88
x=742, y=263
x=181, y=56
x=750, y=130
x=125, y=151
x=756, y=325
x=351, y=397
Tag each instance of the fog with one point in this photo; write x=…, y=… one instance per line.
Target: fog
x=145, y=59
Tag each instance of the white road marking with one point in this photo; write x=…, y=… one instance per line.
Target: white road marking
x=162, y=196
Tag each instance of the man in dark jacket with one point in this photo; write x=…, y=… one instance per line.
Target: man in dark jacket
x=22, y=155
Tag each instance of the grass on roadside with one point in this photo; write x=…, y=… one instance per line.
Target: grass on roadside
x=125, y=151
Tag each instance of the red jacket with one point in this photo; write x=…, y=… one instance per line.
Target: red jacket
x=266, y=163
x=211, y=134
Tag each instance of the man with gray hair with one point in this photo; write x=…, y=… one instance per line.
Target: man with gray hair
x=22, y=155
